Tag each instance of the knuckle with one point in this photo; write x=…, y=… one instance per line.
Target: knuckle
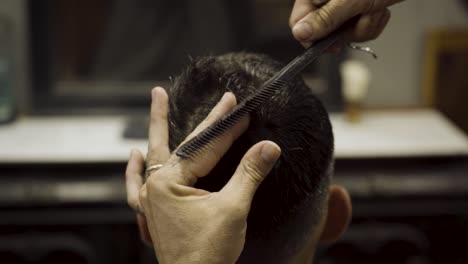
x=156, y=156
x=162, y=117
x=142, y=195
x=252, y=170
x=323, y=19
x=154, y=116
x=152, y=152
x=158, y=188
x=154, y=183
x=157, y=117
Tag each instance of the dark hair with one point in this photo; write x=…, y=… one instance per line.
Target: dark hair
x=289, y=200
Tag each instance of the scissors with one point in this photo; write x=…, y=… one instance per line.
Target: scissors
x=278, y=81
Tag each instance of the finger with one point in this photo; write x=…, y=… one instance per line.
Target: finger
x=322, y=21
x=253, y=168
x=143, y=198
x=369, y=26
x=158, y=134
x=143, y=228
x=226, y=103
x=208, y=156
x=300, y=9
x=145, y=221
x=133, y=178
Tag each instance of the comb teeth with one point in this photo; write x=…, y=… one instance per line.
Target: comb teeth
x=281, y=79
x=198, y=142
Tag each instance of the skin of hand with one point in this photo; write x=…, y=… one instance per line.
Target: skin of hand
x=186, y=224
x=312, y=20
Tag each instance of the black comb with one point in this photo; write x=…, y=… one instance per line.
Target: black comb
x=279, y=80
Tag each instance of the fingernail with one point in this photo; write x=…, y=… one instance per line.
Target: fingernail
x=270, y=152
x=225, y=95
x=302, y=31
x=154, y=94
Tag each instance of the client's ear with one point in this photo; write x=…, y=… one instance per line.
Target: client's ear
x=339, y=214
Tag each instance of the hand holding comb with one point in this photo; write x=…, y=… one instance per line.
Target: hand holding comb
x=278, y=81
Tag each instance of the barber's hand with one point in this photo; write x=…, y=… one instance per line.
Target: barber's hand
x=312, y=20
x=189, y=225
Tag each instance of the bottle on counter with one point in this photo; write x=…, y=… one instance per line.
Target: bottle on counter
x=356, y=79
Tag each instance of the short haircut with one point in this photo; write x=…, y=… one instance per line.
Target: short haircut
x=289, y=201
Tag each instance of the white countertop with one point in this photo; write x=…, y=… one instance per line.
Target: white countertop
x=398, y=133
x=99, y=139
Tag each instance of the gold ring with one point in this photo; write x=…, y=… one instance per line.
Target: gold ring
x=152, y=168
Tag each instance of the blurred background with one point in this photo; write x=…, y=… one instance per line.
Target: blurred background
x=75, y=81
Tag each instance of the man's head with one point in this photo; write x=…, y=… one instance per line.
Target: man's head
x=290, y=210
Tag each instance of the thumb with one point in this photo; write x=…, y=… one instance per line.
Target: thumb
x=322, y=21
x=253, y=168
